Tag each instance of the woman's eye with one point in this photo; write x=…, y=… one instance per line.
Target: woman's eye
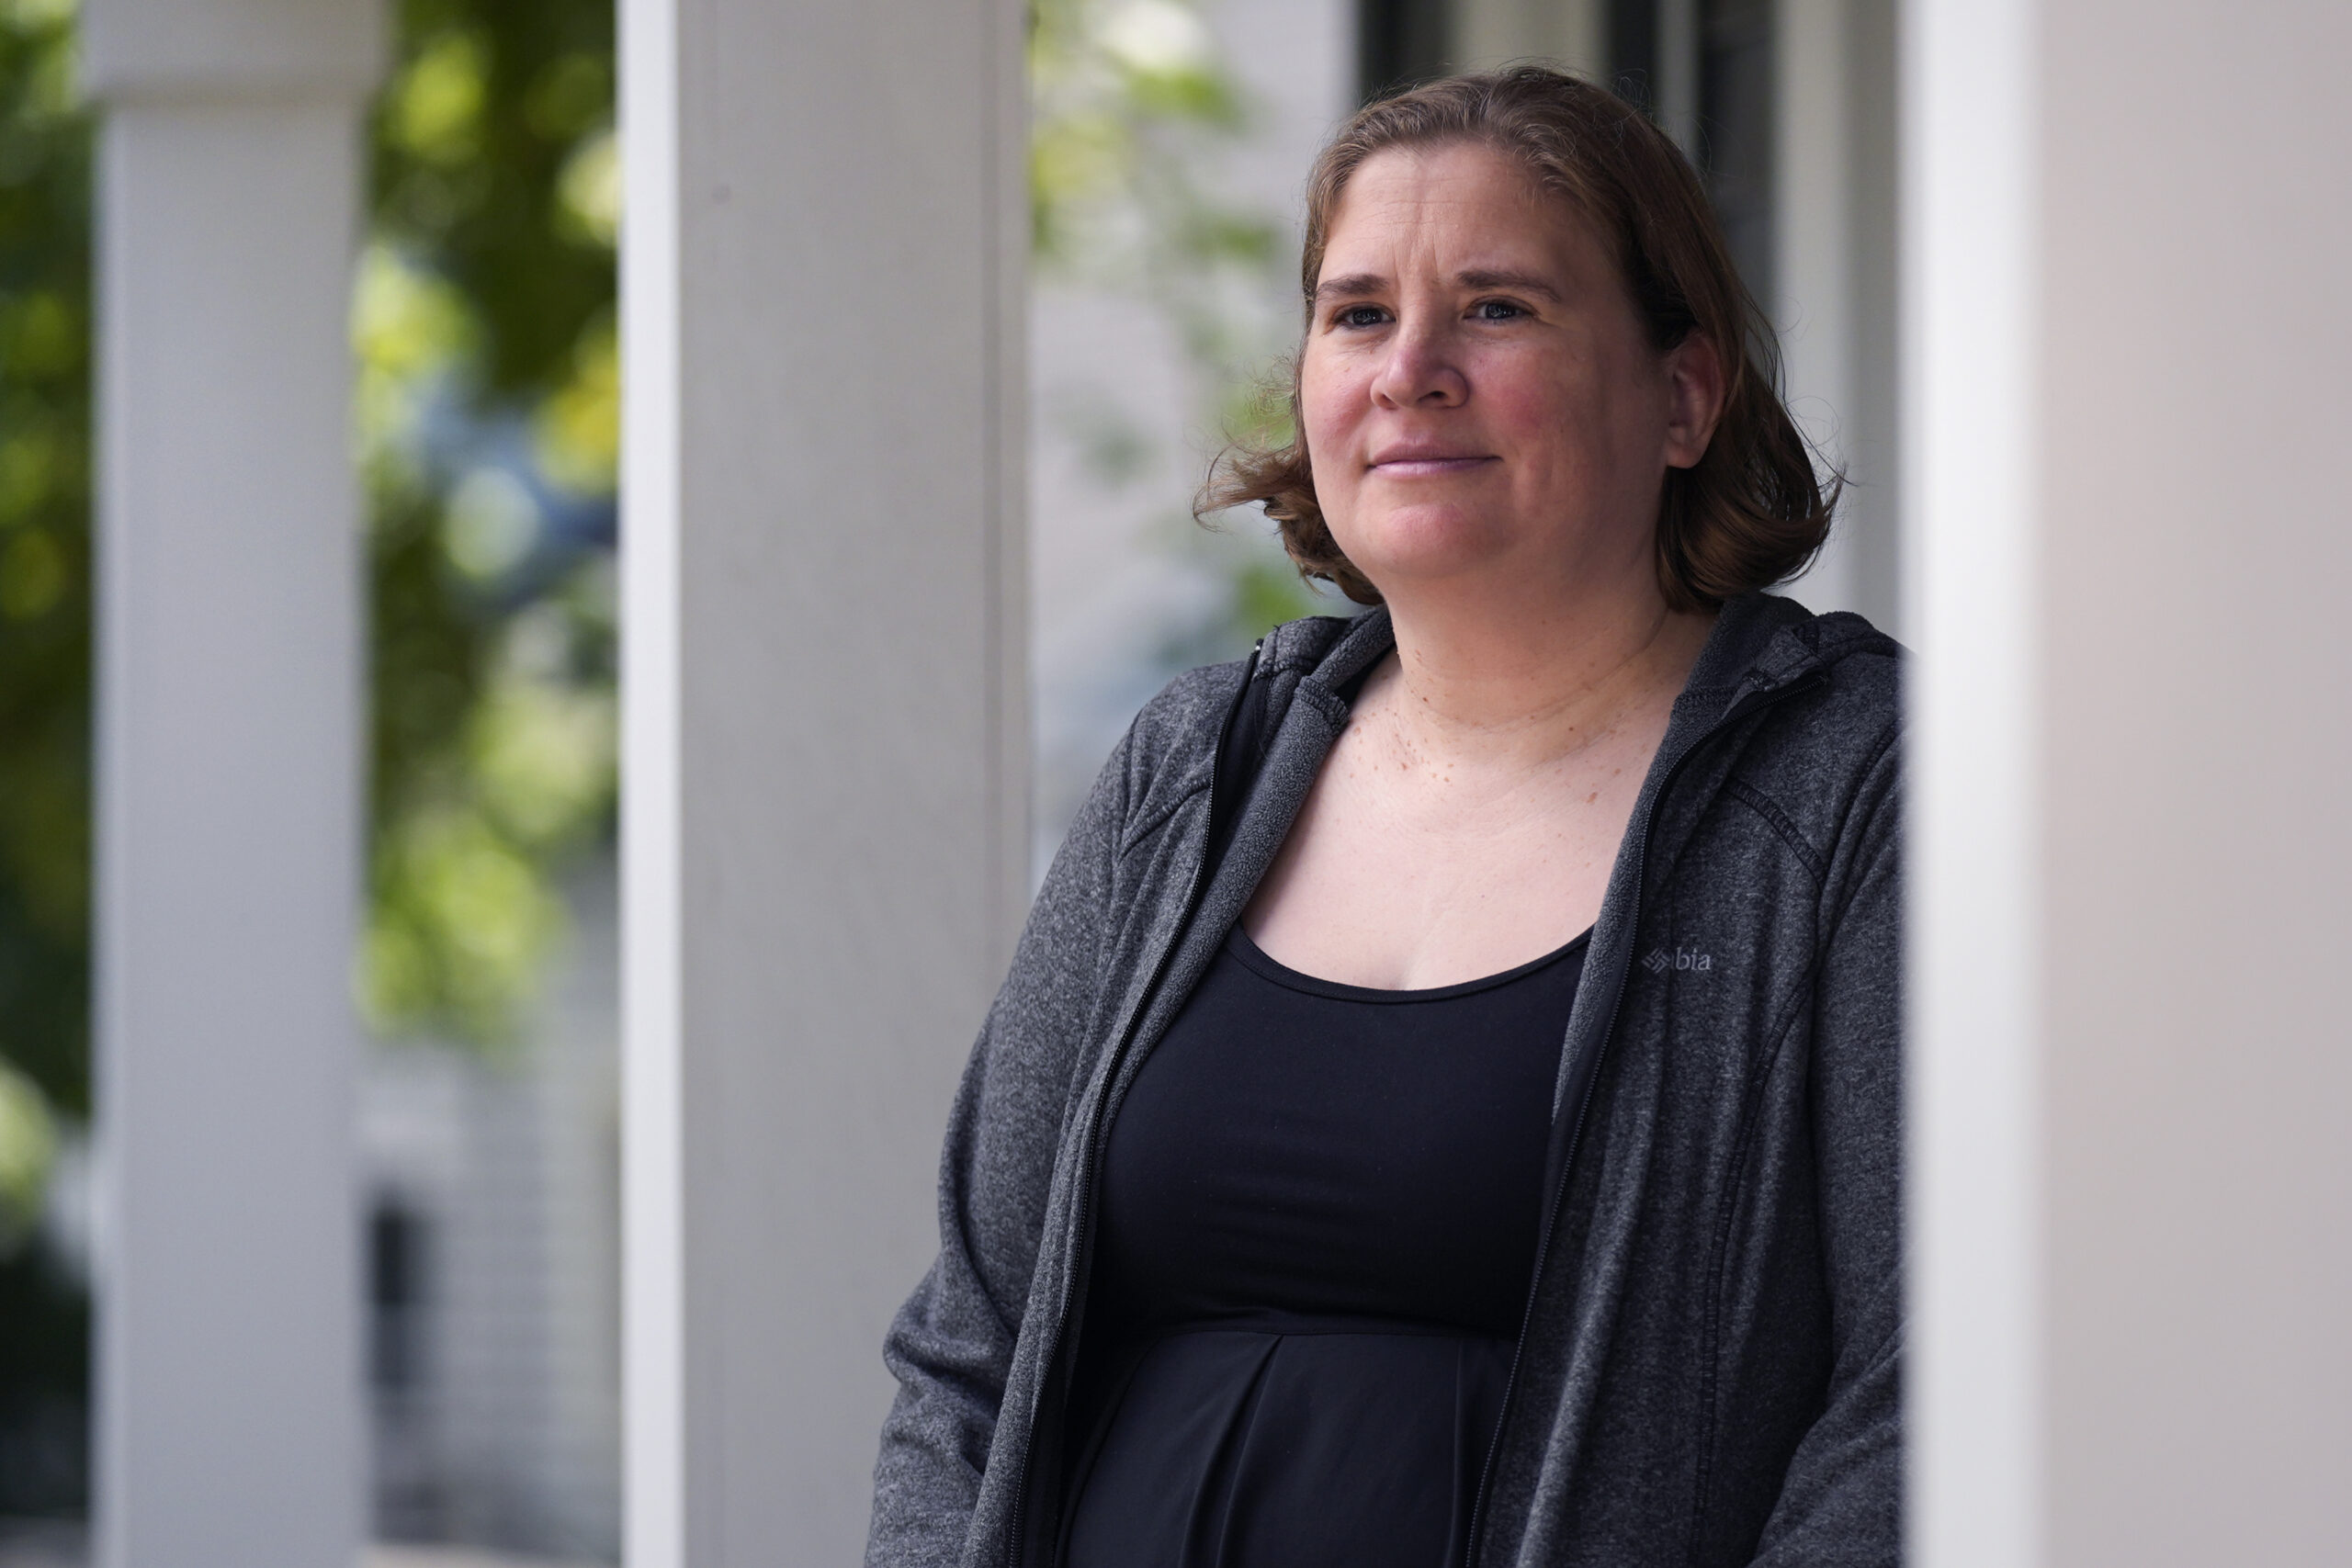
x=1360, y=316
x=1495, y=311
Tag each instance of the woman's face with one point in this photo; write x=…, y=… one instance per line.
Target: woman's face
x=1479, y=398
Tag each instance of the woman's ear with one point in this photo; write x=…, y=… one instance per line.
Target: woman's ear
x=1694, y=375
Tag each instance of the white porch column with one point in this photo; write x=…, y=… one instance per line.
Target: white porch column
x=2131, y=1184
x=824, y=838
x=227, y=751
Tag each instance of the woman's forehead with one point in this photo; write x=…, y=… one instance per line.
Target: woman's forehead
x=1460, y=207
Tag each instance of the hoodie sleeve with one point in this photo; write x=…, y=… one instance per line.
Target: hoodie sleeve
x=951, y=1347
x=1840, y=1503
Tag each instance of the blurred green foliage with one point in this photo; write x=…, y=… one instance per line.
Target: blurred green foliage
x=44, y=584
x=488, y=413
x=1132, y=105
x=44, y=733
x=1134, y=110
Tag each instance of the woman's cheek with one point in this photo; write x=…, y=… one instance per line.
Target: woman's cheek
x=1522, y=399
x=1328, y=433
x=1335, y=483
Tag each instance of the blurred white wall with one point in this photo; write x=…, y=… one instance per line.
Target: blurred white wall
x=493, y=1179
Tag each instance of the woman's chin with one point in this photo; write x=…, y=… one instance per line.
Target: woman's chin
x=1452, y=568
x=1428, y=543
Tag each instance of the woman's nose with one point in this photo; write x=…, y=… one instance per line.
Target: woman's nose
x=1419, y=370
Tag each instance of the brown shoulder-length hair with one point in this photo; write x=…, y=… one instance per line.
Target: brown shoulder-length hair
x=1751, y=512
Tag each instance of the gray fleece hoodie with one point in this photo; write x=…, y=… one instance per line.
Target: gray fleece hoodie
x=1709, y=1373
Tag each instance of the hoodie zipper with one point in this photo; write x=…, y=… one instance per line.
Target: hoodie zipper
x=1074, y=1300
x=1732, y=715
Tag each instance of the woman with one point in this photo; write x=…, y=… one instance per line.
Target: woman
x=1445, y=1106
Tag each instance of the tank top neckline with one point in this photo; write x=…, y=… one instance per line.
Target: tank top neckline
x=1254, y=958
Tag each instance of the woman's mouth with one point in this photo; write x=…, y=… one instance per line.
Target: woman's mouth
x=1426, y=464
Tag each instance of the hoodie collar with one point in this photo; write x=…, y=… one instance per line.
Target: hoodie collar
x=1761, y=641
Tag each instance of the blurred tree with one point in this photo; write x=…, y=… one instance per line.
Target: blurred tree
x=44, y=561
x=44, y=735
x=489, y=417
x=1135, y=107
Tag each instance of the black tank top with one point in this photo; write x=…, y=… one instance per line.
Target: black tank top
x=1319, y=1207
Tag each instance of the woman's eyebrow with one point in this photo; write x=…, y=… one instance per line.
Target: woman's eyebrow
x=1523, y=282
x=1354, y=286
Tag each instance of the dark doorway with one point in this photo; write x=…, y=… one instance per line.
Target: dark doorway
x=1632, y=50
x=1399, y=43
x=1737, y=110
x=395, y=1298
x=1737, y=96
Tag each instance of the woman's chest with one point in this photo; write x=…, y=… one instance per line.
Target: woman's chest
x=1400, y=877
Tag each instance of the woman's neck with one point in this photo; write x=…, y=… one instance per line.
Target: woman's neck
x=1523, y=685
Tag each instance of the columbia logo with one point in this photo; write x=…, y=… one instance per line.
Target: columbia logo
x=1659, y=960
